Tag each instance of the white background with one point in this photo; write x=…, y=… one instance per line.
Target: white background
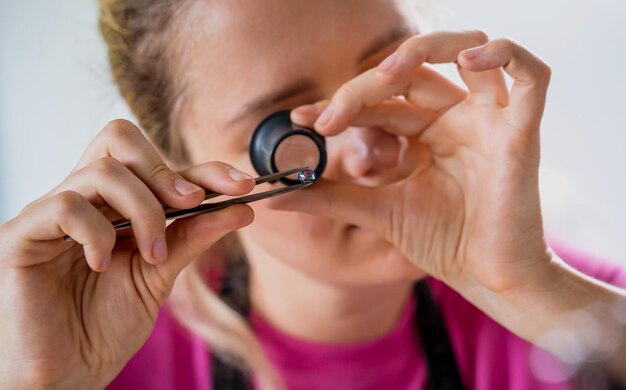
x=56, y=93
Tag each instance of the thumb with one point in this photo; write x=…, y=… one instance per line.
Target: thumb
x=347, y=202
x=188, y=238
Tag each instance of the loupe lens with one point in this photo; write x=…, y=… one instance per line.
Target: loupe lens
x=278, y=145
x=296, y=151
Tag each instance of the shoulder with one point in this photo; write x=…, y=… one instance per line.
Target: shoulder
x=172, y=357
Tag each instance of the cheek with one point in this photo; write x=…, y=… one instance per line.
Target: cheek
x=324, y=250
x=204, y=143
x=294, y=227
x=308, y=243
x=202, y=150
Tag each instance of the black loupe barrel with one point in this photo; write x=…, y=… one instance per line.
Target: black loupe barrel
x=278, y=145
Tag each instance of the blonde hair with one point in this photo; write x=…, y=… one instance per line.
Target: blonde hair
x=138, y=34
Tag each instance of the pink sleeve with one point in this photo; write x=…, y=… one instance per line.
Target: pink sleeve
x=591, y=265
x=171, y=358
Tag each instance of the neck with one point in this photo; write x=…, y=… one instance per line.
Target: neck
x=310, y=309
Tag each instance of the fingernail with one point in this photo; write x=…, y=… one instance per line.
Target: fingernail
x=237, y=175
x=159, y=249
x=473, y=53
x=325, y=117
x=388, y=62
x=185, y=188
x=106, y=262
x=306, y=109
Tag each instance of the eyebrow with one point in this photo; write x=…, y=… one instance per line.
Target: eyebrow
x=296, y=88
x=385, y=40
x=303, y=85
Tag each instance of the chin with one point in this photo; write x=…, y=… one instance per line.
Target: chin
x=370, y=267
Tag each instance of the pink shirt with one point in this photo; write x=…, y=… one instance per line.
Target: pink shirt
x=488, y=356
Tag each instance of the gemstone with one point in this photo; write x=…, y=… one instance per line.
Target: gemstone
x=306, y=176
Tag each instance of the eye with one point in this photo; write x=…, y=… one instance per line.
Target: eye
x=245, y=127
x=279, y=145
x=376, y=58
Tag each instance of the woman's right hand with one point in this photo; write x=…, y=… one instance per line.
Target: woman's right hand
x=73, y=313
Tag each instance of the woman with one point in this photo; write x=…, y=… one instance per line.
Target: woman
x=424, y=178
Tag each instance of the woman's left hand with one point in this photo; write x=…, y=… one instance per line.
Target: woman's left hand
x=472, y=215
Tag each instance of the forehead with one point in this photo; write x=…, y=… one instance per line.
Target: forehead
x=237, y=49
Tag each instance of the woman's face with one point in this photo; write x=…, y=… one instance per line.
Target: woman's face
x=242, y=60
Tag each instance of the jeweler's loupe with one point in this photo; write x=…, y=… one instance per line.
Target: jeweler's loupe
x=278, y=145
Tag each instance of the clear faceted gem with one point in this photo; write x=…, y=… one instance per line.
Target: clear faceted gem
x=306, y=175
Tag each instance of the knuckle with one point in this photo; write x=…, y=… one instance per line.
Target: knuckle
x=162, y=170
x=346, y=97
x=412, y=42
x=153, y=214
x=68, y=202
x=545, y=72
x=108, y=166
x=413, y=47
x=507, y=44
x=480, y=35
x=345, y=92
x=121, y=129
x=30, y=206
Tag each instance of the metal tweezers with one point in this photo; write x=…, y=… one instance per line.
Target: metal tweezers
x=172, y=213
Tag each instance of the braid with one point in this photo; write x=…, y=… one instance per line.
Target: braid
x=226, y=370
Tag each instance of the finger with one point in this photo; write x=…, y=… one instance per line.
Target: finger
x=435, y=48
x=214, y=176
x=107, y=181
x=307, y=114
x=36, y=234
x=393, y=77
x=188, y=238
x=123, y=141
x=530, y=74
x=396, y=116
x=433, y=92
x=429, y=91
x=350, y=203
x=220, y=177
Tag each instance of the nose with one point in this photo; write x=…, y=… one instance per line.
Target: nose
x=368, y=152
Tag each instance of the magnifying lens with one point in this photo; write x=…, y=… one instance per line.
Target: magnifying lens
x=277, y=145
